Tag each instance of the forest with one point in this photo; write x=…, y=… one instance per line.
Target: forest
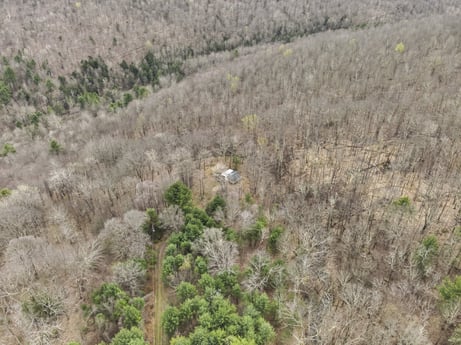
x=117, y=119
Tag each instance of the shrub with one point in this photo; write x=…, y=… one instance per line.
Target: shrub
x=213, y=205
x=403, y=201
x=250, y=122
x=43, y=306
x=5, y=93
x=400, y=47
x=450, y=290
x=140, y=92
x=4, y=192
x=254, y=234
x=234, y=82
x=88, y=98
x=249, y=199
x=403, y=204
x=274, y=237
x=425, y=254
x=55, y=147
x=455, y=338
x=127, y=98
x=9, y=76
x=50, y=87
x=7, y=149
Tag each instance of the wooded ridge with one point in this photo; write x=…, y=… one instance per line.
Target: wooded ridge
x=342, y=120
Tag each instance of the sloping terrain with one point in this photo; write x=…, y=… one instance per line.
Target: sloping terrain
x=346, y=135
x=63, y=33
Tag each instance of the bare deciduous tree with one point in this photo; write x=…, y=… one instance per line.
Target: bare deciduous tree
x=25, y=259
x=260, y=272
x=220, y=253
x=130, y=275
x=124, y=238
x=63, y=182
x=21, y=214
x=172, y=218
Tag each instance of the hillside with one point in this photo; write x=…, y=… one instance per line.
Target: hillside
x=343, y=121
x=64, y=33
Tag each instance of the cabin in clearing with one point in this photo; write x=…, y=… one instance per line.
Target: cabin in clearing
x=231, y=176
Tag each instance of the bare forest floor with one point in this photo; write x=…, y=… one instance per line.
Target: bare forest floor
x=343, y=120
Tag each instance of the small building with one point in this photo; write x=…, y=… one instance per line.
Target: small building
x=231, y=176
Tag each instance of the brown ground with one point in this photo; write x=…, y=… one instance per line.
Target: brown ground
x=156, y=302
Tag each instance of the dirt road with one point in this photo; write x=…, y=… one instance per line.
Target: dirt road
x=159, y=296
x=156, y=300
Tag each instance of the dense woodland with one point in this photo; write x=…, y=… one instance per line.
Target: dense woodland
x=343, y=119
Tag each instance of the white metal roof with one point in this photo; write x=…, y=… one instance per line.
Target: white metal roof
x=227, y=172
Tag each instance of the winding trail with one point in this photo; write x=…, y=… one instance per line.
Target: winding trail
x=159, y=295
